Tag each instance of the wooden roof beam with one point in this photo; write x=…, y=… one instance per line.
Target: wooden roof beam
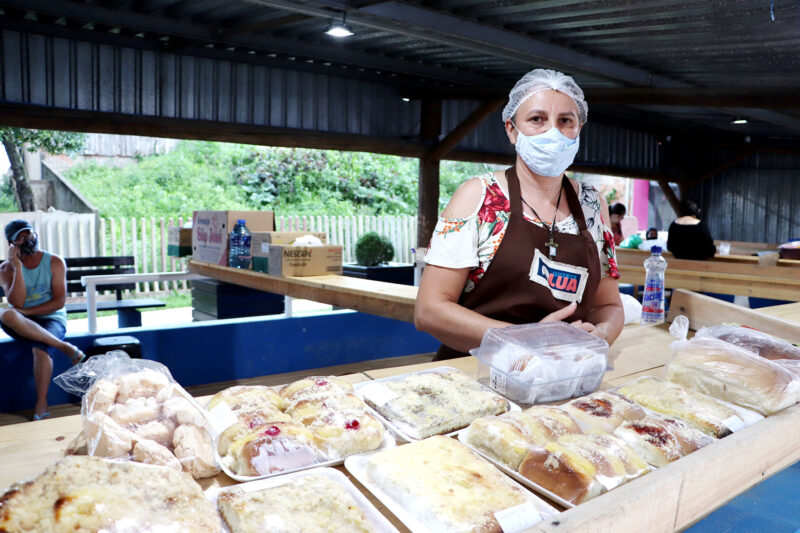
x=472, y=121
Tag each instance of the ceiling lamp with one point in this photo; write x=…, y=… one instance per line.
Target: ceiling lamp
x=739, y=121
x=339, y=30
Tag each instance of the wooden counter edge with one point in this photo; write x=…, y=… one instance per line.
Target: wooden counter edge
x=679, y=494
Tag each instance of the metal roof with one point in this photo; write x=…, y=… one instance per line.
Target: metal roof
x=690, y=65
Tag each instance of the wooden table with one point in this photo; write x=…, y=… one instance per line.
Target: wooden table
x=670, y=498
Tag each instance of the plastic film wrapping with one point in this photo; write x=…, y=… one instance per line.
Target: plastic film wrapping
x=603, y=411
x=755, y=341
x=133, y=409
x=660, y=440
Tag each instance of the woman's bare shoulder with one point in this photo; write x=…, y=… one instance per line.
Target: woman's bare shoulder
x=464, y=202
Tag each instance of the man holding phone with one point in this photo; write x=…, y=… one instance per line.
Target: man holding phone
x=35, y=284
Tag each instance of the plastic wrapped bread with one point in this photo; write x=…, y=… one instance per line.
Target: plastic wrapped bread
x=755, y=341
x=578, y=467
x=733, y=374
x=659, y=440
x=133, y=409
x=88, y=494
x=508, y=437
x=603, y=411
x=446, y=486
x=703, y=412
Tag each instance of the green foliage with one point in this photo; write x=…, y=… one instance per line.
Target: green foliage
x=53, y=142
x=208, y=175
x=7, y=202
x=373, y=249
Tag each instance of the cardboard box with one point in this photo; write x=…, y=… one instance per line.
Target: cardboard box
x=211, y=231
x=284, y=260
x=262, y=239
x=179, y=241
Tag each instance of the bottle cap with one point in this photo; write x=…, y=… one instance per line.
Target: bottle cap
x=655, y=249
x=240, y=221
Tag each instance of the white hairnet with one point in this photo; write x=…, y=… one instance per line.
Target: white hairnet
x=542, y=79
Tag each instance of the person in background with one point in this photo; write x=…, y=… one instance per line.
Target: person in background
x=689, y=237
x=616, y=213
x=651, y=239
x=35, y=284
x=652, y=233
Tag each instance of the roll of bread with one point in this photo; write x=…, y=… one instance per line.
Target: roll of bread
x=508, y=438
x=659, y=441
x=703, y=412
x=733, y=374
x=580, y=467
x=603, y=411
x=752, y=340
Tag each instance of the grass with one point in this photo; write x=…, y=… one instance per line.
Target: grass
x=174, y=300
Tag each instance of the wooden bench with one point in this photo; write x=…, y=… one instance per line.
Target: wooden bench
x=128, y=311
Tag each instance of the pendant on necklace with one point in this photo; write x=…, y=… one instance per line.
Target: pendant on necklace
x=552, y=244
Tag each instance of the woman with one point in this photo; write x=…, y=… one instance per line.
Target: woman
x=525, y=244
x=616, y=213
x=689, y=237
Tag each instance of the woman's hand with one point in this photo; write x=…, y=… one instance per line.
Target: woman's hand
x=561, y=314
x=598, y=330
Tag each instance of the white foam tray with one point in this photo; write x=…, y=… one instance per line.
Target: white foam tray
x=378, y=522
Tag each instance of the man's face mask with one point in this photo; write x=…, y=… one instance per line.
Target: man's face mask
x=547, y=154
x=29, y=245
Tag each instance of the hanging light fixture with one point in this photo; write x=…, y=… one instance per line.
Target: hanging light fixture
x=339, y=30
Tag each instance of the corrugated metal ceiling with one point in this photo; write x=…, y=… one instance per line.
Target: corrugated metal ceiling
x=697, y=64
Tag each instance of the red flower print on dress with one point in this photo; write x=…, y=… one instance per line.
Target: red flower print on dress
x=475, y=275
x=613, y=271
x=608, y=248
x=493, y=201
x=498, y=227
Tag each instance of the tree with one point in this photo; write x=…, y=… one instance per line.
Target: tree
x=17, y=139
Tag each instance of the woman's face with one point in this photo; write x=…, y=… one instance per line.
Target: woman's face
x=542, y=111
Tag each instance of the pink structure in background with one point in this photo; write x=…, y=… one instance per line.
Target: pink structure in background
x=641, y=202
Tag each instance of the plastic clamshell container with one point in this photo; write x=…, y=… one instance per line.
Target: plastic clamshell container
x=541, y=362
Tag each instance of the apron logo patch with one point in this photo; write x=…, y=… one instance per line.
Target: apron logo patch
x=566, y=282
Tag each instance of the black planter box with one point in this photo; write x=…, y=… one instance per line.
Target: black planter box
x=212, y=299
x=391, y=272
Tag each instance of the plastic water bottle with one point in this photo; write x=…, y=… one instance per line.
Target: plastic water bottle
x=653, y=301
x=239, y=254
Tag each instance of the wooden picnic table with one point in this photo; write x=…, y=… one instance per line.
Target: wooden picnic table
x=670, y=498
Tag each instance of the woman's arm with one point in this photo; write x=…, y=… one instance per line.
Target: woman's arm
x=58, y=287
x=607, y=315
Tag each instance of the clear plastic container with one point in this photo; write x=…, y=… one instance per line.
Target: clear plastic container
x=541, y=362
x=653, y=300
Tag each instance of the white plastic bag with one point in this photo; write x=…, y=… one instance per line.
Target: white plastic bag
x=133, y=409
x=632, y=308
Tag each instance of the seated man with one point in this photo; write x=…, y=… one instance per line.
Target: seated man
x=35, y=284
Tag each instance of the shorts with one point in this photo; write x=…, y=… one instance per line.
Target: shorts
x=55, y=327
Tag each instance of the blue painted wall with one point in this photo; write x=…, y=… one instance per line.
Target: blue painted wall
x=207, y=352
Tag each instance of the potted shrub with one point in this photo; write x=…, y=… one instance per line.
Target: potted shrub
x=374, y=253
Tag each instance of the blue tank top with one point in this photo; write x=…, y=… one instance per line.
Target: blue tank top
x=39, y=288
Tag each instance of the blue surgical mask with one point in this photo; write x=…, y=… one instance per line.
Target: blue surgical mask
x=547, y=154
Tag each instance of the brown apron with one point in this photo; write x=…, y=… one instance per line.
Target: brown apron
x=506, y=291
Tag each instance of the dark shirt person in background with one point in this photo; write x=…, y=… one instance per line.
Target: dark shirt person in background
x=616, y=213
x=689, y=237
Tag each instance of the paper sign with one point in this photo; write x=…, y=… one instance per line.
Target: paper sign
x=378, y=394
x=264, y=247
x=221, y=417
x=518, y=517
x=734, y=423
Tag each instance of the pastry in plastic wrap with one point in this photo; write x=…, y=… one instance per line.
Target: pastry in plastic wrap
x=342, y=433
x=659, y=440
x=603, y=411
x=88, y=494
x=508, y=438
x=733, y=374
x=309, y=504
x=703, y=412
x=275, y=448
x=312, y=388
x=432, y=403
x=131, y=409
x=755, y=341
x=445, y=485
x=579, y=467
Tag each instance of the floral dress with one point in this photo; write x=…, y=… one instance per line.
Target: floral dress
x=472, y=242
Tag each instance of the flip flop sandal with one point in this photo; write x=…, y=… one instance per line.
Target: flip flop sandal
x=41, y=417
x=78, y=358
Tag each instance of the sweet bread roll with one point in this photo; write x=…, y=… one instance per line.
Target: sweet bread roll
x=313, y=388
x=671, y=399
x=733, y=374
x=660, y=441
x=307, y=411
x=603, y=411
x=275, y=448
x=508, y=437
x=758, y=342
x=341, y=434
x=579, y=467
x=247, y=398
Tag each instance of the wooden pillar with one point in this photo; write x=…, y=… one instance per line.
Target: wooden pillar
x=428, y=204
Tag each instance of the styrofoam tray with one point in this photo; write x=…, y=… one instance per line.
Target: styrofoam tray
x=401, y=435
x=357, y=466
x=378, y=522
x=513, y=473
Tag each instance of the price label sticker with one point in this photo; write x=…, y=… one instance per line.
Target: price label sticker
x=221, y=417
x=264, y=247
x=378, y=393
x=734, y=423
x=518, y=517
x=497, y=381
